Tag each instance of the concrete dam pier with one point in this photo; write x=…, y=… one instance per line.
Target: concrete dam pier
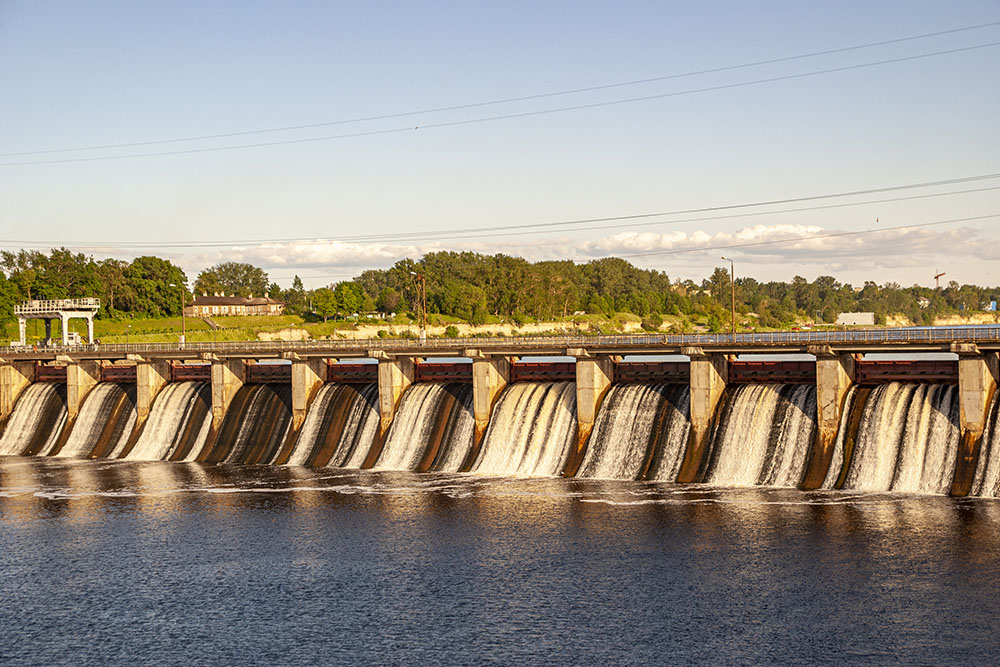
x=614, y=409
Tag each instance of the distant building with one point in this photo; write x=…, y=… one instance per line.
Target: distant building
x=856, y=319
x=206, y=306
x=923, y=302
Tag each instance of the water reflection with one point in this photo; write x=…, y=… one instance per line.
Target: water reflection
x=111, y=559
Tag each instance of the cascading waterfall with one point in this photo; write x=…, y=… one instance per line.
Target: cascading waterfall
x=177, y=425
x=987, y=480
x=105, y=423
x=255, y=425
x=907, y=440
x=37, y=421
x=433, y=425
x=641, y=432
x=841, y=445
x=339, y=428
x=763, y=436
x=532, y=431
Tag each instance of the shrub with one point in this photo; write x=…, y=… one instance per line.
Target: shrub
x=652, y=322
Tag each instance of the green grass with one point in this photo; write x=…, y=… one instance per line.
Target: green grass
x=140, y=326
x=254, y=321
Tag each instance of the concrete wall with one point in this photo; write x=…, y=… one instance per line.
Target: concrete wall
x=834, y=377
x=81, y=377
x=977, y=381
x=150, y=377
x=14, y=377
x=594, y=376
x=490, y=376
x=228, y=375
x=708, y=381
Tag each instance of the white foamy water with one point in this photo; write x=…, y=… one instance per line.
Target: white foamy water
x=636, y=422
x=181, y=416
x=837, y=460
x=425, y=417
x=343, y=418
x=37, y=421
x=674, y=436
x=410, y=432
x=907, y=440
x=260, y=426
x=106, y=418
x=459, y=433
x=987, y=480
x=764, y=436
x=532, y=430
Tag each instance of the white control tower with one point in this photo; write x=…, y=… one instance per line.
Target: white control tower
x=57, y=309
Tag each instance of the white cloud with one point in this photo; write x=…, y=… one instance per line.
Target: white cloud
x=899, y=248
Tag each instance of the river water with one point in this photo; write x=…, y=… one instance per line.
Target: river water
x=114, y=562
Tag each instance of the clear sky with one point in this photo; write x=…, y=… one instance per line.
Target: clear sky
x=78, y=75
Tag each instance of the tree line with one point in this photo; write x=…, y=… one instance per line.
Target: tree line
x=476, y=288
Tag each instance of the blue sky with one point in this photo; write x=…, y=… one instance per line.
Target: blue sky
x=75, y=75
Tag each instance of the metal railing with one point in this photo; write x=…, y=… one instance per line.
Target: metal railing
x=905, y=336
x=52, y=305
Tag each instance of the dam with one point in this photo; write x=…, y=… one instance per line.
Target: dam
x=713, y=414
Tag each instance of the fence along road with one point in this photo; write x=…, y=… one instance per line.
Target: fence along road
x=916, y=339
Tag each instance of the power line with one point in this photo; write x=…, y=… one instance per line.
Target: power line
x=630, y=225
x=524, y=114
x=808, y=238
x=411, y=236
x=483, y=231
x=508, y=100
x=811, y=237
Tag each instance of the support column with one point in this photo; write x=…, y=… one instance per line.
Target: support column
x=489, y=377
x=594, y=376
x=48, y=331
x=81, y=376
x=90, y=328
x=64, y=329
x=709, y=373
x=977, y=380
x=14, y=377
x=834, y=377
x=22, y=329
x=228, y=375
x=395, y=374
x=150, y=377
x=308, y=375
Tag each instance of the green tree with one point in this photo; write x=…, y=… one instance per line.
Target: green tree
x=114, y=288
x=324, y=303
x=349, y=297
x=232, y=278
x=150, y=293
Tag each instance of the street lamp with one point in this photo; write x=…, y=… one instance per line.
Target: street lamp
x=183, y=322
x=422, y=299
x=732, y=283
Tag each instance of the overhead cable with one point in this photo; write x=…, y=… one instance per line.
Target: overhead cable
x=510, y=116
x=508, y=100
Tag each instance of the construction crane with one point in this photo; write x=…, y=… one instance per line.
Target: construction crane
x=937, y=280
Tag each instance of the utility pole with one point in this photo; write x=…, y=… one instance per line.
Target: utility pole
x=732, y=284
x=183, y=321
x=422, y=300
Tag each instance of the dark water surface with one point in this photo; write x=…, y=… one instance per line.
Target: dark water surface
x=122, y=562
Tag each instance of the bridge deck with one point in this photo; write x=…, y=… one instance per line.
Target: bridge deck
x=931, y=339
